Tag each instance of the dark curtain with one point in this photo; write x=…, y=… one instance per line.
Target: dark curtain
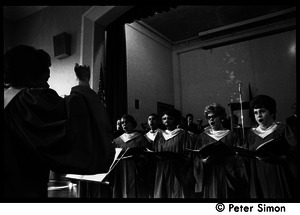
x=116, y=66
x=116, y=72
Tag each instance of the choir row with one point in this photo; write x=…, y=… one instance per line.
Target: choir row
x=231, y=169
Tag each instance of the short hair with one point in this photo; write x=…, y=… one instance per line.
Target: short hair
x=25, y=65
x=130, y=119
x=263, y=101
x=189, y=115
x=216, y=109
x=153, y=114
x=175, y=113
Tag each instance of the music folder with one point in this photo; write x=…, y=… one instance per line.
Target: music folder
x=217, y=147
x=164, y=155
x=133, y=152
x=272, y=147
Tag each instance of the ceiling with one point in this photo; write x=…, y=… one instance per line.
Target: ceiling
x=186, y=22
x=182, y=23
x=15, y=13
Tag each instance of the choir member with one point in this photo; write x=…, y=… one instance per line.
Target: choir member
x=154, y=124
x=174, y=178
x=131, y=173
x=219, y=173
x=273, y=175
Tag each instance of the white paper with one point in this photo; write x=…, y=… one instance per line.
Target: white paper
x=96, y=177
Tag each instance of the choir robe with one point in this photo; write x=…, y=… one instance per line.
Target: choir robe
x=276, y=178
x=224, y=176
x=44, y=132
x=194, y=137
x=174, y=178
x=151, y=135
x=130, y=177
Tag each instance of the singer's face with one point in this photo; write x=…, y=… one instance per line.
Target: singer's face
x=214, y=121
x=127, y=126
x=169, y=122
x=189, y=120
x=263, y=117
x=153, y=122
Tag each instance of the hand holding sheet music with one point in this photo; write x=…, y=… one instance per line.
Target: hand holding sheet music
x=269, y=150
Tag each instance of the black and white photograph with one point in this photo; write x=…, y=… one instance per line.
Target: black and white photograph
x=150, y=104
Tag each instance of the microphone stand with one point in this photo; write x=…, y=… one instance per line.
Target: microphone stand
x=242, y=116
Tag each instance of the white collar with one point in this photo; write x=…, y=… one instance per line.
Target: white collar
x=217, y=135
x=152, y=134
x=126, y=137
x=263, y=133
x=170, y=134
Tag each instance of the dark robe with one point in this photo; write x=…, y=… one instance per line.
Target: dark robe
x=292, y=122
x=174, y=178
x=193, y=127
x=225, y=175
x=276, y=177
x=44, y=132
x=130, y=176
x=194, y=137
x=117, y=133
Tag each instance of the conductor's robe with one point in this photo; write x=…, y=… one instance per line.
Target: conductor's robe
x=44, y=132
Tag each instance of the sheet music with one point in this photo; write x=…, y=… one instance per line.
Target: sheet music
x=97, y=177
